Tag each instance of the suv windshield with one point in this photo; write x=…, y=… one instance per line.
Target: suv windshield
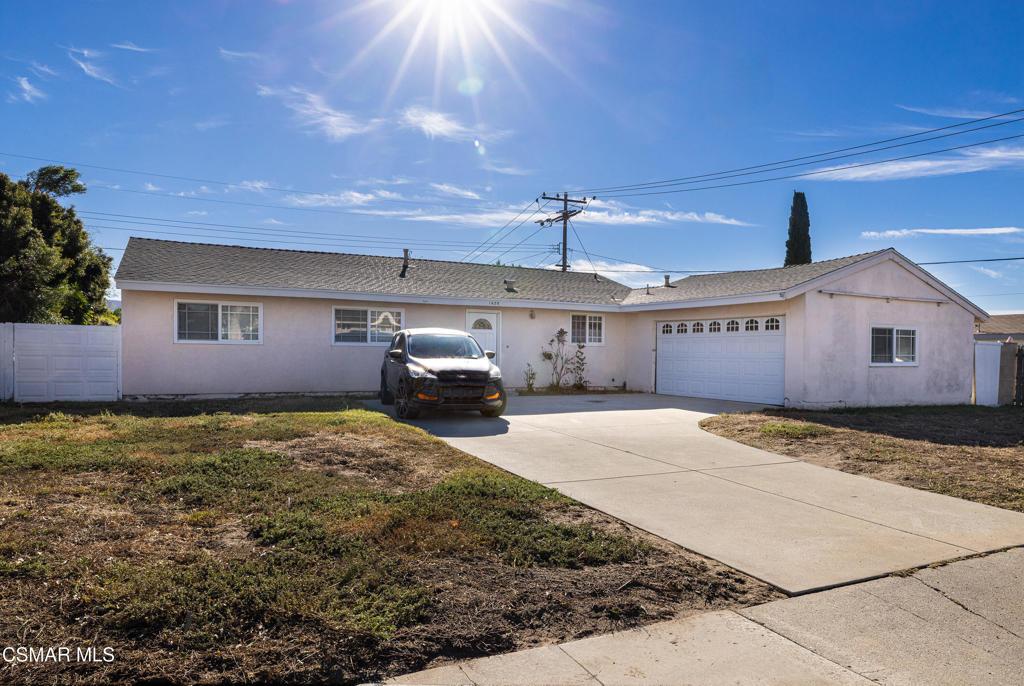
x=441, y=345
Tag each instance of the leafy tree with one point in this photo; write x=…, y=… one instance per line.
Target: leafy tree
x=49, y=269
x=798, y=245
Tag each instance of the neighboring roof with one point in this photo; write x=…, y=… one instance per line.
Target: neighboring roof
x=726, y=284
x=1004, y=325
x=174, y=262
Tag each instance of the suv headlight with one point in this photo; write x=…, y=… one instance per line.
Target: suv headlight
x=495, y=373
x=418, y=372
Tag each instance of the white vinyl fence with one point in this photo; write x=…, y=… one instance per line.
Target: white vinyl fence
x=46, y=362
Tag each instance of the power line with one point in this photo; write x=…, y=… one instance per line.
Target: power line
x=228, y=184
x=818, y=171
x=539, y=229
x=720, y=177
x=256, y=230
x=803, y=157
x=495, y=235
x=361, y=245
x=576, y=233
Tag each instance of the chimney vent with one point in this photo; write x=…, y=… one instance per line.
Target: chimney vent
x=668, y=281
x=510, y=285
x=405, y=263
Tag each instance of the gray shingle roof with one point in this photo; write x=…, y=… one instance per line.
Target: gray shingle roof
x=741, y=283
x=175, y=262
x=1004, y=324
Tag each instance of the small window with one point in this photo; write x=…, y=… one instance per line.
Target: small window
x=482, y=324
x=715, y=327
x=217, y=322
x=681, y=327
x=698, y=327
x=587, y=329
x=366, y=326
x=772, y=324
x=732, y=326
x=666, y=328
x=751, y=325
x=893, y=346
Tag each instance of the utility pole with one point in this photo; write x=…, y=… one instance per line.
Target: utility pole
x=564, y=215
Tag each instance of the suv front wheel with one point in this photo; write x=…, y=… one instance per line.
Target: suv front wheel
x=404, y=408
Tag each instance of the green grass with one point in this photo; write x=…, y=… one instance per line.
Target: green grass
x=183, y=534
x=795, y=430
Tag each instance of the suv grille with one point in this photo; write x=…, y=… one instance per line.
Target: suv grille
x=458, y=377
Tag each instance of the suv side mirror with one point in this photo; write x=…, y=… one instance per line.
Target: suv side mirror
x=395, y=354
x=489, y=354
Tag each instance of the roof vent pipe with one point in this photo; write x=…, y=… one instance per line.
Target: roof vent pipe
x=510, y=285
x=405, y=263
x=668, y=281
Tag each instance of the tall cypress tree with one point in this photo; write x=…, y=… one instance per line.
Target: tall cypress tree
x=798, y=245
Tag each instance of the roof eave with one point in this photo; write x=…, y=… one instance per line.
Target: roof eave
x=215, y=289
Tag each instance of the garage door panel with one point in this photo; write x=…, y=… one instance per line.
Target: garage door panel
x=66, y=362
x=739, y=365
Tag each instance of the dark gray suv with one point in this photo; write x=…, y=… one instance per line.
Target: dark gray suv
x=442, y=369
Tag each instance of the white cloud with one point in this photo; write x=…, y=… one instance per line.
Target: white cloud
x=152, y=187
x=131, y=47
x=339, y=199
x=42, y=70
x=628, y=273
x=26, y=91
x=507, y=169
x=255, y=185
x=491, y=218
x=449, y=189
x=91, y=69
x=969, y=161
x=313, y=112
x=211, y=123
x=948, y=112
x=197, y=213
x=613, y=212
x=908, y=233
x=234, y=55
x=991, y=273
x=274, y=222
x=436, y=124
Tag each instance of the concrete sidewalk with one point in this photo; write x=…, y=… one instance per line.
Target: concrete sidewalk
x=962, y=623
x=644, y=459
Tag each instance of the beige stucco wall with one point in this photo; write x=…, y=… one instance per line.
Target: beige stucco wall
x=827, y=345
x=836, y=350
x=297, y=354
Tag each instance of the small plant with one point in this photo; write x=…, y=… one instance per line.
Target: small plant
x=530, y=376
x=578, y=368
x=554, y=353
x=794, y=430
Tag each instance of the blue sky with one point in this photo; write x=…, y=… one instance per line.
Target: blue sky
x=367, y=126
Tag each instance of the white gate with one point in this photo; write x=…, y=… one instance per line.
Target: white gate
x=66, y=362
x=986, y=372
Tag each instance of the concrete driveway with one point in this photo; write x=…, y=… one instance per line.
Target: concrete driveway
x=797, y=526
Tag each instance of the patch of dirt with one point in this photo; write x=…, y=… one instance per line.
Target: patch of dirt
x=966, y=452
x=386, y=462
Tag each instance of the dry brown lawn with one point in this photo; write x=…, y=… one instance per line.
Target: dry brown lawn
x=301, y=541
x=975, y=453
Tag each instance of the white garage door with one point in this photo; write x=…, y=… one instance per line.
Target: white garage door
x=741, y=358
x=65, y=362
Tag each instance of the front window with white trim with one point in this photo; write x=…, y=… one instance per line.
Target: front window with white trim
x=587, y=329
x=354, y=326
x=212, y=322
x=891, y=345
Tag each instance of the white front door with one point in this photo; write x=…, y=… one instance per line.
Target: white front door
x=485, y=327
x=735, y=358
